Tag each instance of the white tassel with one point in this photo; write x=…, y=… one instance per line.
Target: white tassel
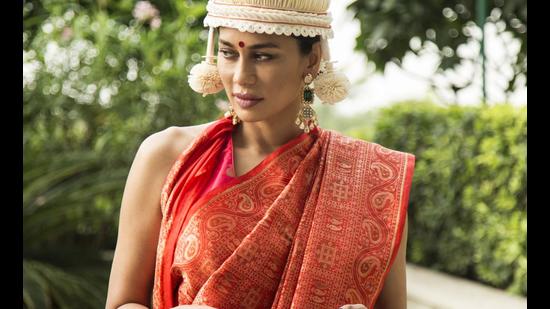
x=331, y=87
x=204, y=78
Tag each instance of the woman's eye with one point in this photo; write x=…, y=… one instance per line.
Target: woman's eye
x=259, y=57
x=226, y=53
x=263, y=57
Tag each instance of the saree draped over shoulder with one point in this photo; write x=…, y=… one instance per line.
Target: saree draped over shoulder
x=317, y=224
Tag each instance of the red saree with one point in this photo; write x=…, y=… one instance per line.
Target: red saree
x=316, y=224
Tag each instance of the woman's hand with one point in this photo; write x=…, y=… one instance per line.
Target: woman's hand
x=354, y=306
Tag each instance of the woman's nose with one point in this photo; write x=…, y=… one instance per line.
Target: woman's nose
x=244, y=73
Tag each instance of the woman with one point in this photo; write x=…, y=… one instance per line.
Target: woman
x=262, y=208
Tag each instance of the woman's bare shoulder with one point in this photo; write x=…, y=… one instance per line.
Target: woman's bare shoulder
x=141, y=215
x=165, y=146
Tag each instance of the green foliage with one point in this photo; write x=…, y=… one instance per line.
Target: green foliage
x=360, y=125
x=387, y=28
x=96, y=83
x=48, y=286
x=468, y=203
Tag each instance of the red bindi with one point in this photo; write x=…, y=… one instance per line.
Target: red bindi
x=241, y=44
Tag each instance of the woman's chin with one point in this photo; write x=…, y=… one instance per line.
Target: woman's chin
x=250, y=117
x=250, y=114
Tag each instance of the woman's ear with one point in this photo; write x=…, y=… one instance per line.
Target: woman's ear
x=314, y=59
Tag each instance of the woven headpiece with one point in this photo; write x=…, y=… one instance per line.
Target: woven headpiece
x=282, y=17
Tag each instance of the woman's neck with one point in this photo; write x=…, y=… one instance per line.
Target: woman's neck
x=263, y=137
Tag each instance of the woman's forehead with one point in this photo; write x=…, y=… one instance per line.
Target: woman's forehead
x=235, y=37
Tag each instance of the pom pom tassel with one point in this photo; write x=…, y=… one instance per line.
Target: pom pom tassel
x=331, y=86
x=204, y=78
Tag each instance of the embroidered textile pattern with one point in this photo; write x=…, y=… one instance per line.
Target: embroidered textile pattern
x=316, y=226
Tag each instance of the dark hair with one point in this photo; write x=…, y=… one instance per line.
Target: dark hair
x=305, y=43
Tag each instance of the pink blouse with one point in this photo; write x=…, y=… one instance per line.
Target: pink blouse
x=224, y=172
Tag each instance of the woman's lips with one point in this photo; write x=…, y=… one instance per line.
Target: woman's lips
x=247, y=103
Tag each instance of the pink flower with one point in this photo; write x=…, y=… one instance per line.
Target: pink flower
x=66, y=34
x=155, y=23
x=145, y=11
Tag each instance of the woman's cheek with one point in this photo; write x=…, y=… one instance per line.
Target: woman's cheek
x=225, y=71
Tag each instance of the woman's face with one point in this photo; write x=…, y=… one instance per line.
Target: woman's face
x=266, y=66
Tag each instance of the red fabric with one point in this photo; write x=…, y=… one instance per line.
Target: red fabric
x=316, y=224
x=191, y=178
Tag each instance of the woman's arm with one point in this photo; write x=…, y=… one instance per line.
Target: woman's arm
x=132, y=272
x=394, y=292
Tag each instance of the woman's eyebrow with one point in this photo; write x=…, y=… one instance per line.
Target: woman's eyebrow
x=255, y=46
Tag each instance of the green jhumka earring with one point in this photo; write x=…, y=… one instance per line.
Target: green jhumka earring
x=307, y=118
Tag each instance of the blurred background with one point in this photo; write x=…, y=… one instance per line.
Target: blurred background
x=444, y=80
